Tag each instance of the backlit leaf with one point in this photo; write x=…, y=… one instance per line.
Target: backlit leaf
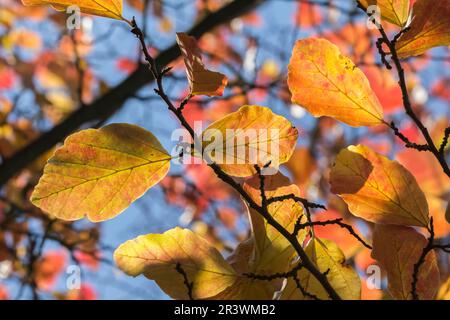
x=327, y=83
x=105, y=8
x=252, y=135
x=444, y=291
x=201, y=80
x=394, y=11
x=273, y=251
x=266, y=252
x=430, y=27
x=157, y=255
x=327, y=256
x=378, y=189
x=397, y=249
x=100, y=172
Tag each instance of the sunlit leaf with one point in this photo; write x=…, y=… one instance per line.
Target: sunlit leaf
x=328, y=257
x=397, y=249
x=444, y=291
x=378, y=189
x=105, y=8
x=429, y=28
x=252, y=135
x=201, y=80
x=394, y=11
x=273, y=251
x=327, y=83
x=156, y=256
x=266, y=252
x=100, y=172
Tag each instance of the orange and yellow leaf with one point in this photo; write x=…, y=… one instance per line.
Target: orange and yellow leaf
x=104, y=8
x=393, y=11
x=252, y=135
x=98, y=173
x=378, y=189
x=326, y=83
x=327, y=256
x=430, y=27
x=397, y=249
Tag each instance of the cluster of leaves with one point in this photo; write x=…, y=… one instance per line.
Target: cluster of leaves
x=98, y=173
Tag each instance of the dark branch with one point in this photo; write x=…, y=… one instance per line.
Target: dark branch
x=189, y=285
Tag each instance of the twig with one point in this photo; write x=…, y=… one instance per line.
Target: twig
x=189, y=285
x=338, y=222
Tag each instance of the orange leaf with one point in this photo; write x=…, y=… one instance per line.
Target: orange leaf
x=201, y=80
x=104, y=8
x=397, y=249
x=378, y=189
x=429, y=28
x=327, y=83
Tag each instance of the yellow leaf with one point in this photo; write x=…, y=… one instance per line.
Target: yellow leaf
x=245, y=288
x=444, y=291
x=378, y=189
x=99, y=173
x=398, y=249
x=157, y=255
x=429, y=28
x=252, y=135
x=266, y=252
x=273, y=251
x=394, y=11
x=326, y=83
x=327, y=256
x=104, y=8
x=201, y=80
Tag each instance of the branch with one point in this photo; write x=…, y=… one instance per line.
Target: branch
x=338, y=222
x=421, y=260
x=408, y=143
x=113, y=100
x=189, y=285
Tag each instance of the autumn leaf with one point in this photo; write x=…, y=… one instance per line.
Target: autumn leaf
x=104, y=8
x=443, y=293
x=201, y=80
x=266, y=252
x=398, y=249
x=328, y=257
x=429, y=28
x=100, y=172
x=273, y=251
x=327, y=83
x=242, y=260
x=156, y=256
x=393, y=11
x=378, y=189
x=252, y=135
